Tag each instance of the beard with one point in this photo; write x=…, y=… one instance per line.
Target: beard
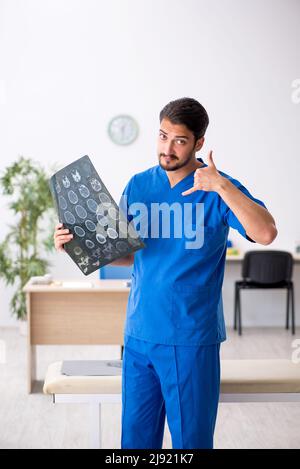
x=174, y=162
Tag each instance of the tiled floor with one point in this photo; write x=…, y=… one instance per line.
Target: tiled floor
x=32, y=421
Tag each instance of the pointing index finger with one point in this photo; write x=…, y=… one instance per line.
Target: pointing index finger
x=189, y=191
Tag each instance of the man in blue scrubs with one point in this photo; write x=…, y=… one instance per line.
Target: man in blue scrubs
x=174, y=323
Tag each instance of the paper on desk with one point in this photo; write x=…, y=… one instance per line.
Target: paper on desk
x=91, y=367
x=77, y=284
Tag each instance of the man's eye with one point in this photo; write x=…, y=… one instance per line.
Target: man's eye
x=180, y=142
x=162, y=136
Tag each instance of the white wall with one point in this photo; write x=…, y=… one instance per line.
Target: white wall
x=68, y=66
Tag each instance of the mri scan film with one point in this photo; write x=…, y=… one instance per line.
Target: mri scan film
x=101, y=231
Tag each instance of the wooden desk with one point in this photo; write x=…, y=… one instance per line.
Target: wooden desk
x=62, y=315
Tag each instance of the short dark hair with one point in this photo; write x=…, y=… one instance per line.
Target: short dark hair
x=189, y=112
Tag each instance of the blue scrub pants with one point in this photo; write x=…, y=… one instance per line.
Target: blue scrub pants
x=178, y=381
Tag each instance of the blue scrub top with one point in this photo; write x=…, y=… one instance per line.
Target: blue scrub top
x=176, y=293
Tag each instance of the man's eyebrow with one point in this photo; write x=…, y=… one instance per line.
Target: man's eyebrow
x=176, y=136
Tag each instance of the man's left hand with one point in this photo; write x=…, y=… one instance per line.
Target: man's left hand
x=207, y=178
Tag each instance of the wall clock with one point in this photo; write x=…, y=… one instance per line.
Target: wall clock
x=123, y=129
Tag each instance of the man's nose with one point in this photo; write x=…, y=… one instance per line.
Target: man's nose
x=168, y=148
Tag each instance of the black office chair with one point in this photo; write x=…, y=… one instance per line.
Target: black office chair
x=266, y=269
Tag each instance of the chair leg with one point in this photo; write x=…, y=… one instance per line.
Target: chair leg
x=235, y=308
x=122, y=350
x=239, y=311
x=287, y=322
x=293, y=310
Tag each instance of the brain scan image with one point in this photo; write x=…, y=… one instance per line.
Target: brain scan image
x=79, y=231
x=89, y=244
x=100, y=238
x=101, y=234
x=69, y=217
x=96, y=185
x=92, y=205
x=72, y=197
x=102, y=220
x=62, y=202
x=76, y=175
x=121, y=246
x=90, y=225
x=113, y=213
x=81, y=211
x=78, y=251
x=104, y=199
x=83, y=191
x=112, y=233
x=66, y=182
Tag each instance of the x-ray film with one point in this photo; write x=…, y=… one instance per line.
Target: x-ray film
x=101, y=231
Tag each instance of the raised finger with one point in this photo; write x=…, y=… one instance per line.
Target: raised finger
x=189, y=191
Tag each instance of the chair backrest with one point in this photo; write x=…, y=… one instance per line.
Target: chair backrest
x=267, y=266
x=115, y=271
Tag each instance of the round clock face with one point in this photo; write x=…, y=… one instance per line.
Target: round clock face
x=123, y=129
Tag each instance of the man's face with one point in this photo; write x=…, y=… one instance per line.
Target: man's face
x=176, y=145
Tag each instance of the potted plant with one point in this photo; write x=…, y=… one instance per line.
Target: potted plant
x=26, y=183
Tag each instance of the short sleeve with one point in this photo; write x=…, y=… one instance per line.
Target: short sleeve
x=230, y=218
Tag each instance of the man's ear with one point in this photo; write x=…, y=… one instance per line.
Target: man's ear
x=199, y=143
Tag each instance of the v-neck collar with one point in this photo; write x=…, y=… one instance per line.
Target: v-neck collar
x=183, y=180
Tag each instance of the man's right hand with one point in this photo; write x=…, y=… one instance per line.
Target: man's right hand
x=61, y=237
